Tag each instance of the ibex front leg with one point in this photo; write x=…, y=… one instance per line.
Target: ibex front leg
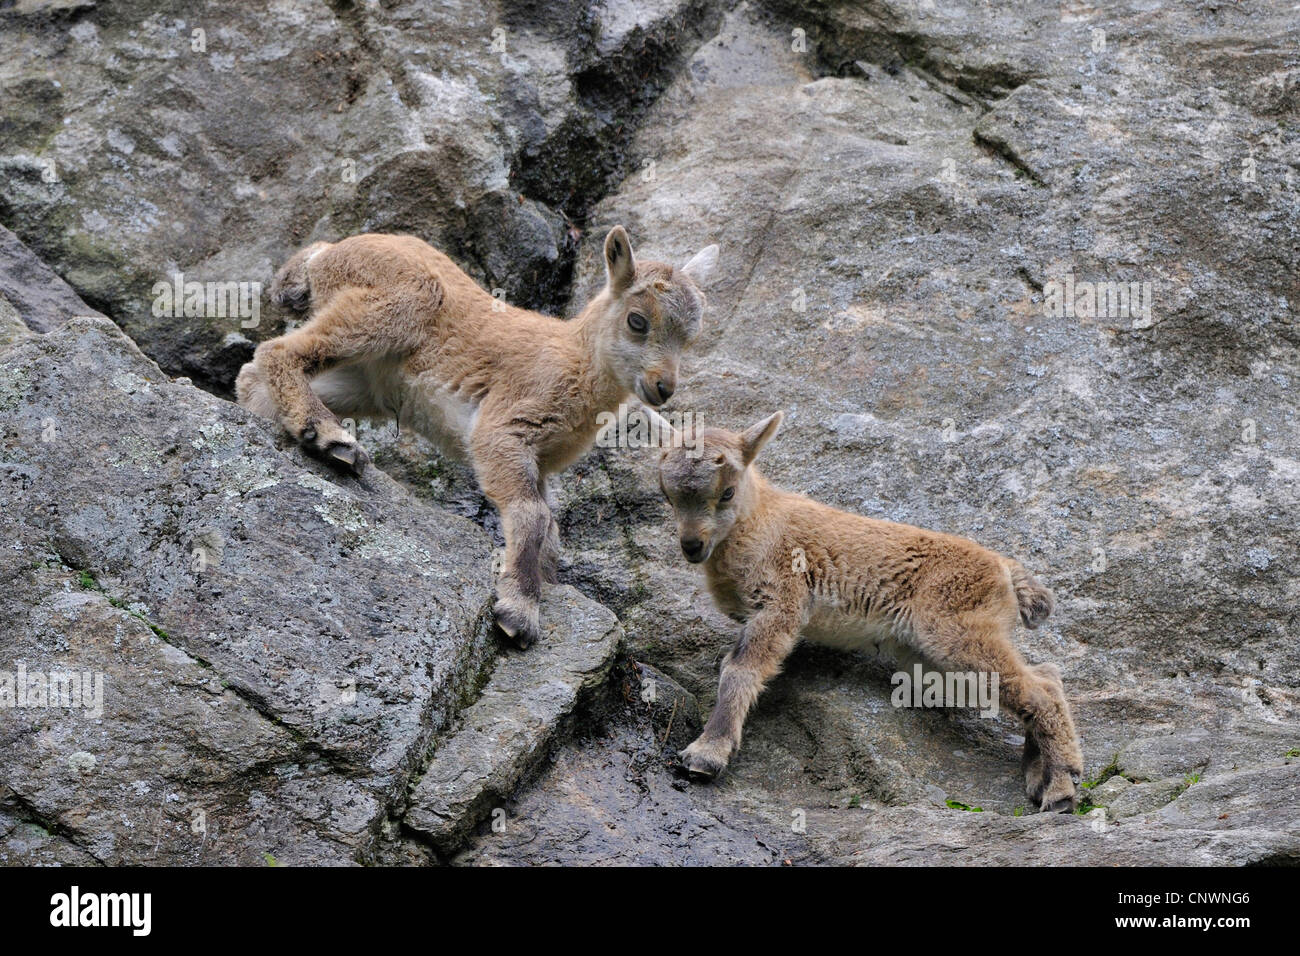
x=508, y=474
x=769, y=637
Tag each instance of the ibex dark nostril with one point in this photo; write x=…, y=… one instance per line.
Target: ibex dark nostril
x=665, y=391
x=692, y=546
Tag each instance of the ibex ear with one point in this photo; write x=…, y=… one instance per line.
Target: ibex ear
x=753, y=438
x=700, y=268
x=620, y=266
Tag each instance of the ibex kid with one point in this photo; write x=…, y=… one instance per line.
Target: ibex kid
x=858, y=583
x=397, y=329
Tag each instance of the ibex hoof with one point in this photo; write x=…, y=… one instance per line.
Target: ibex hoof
x=516, y=624
x=1053, y=788
x=1059, y=795
x=702, y=761
x=332, y=444
x=349, y=458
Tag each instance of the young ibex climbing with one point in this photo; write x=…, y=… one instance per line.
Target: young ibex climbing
x=784, y=565
x=398, y=330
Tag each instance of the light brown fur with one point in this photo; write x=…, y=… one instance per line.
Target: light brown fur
x=397, y=329
x=785, y=566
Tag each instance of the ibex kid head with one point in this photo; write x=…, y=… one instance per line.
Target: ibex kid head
x=651, y=313
x=708, y=483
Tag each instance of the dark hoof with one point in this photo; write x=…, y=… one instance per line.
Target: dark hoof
x=515, y=625
x=700, y=768
x=1058, y=792
x=346, y=456
x=349, y=458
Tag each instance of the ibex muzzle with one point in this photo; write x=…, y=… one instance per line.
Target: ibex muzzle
x=657, y=384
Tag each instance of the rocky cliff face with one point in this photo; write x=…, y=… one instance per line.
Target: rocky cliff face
x=927, y=212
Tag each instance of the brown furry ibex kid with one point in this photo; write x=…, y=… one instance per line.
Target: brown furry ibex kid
x=398, y=330
x=784, y=565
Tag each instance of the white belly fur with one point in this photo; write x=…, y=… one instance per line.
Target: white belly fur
x=440, y=415
x=378, y=389
x=829, y=624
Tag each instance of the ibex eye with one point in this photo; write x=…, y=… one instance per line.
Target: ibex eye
x=728, y=494
x=637, y=323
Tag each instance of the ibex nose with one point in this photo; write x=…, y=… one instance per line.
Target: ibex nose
x=693, y=548
x=665, y=390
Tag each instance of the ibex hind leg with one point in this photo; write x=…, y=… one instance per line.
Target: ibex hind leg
x=252, y=392
x=344, y=391
x=343, y=333
x=981, y=642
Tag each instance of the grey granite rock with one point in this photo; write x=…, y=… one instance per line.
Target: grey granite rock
x=277, y=646
x=502, y=737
